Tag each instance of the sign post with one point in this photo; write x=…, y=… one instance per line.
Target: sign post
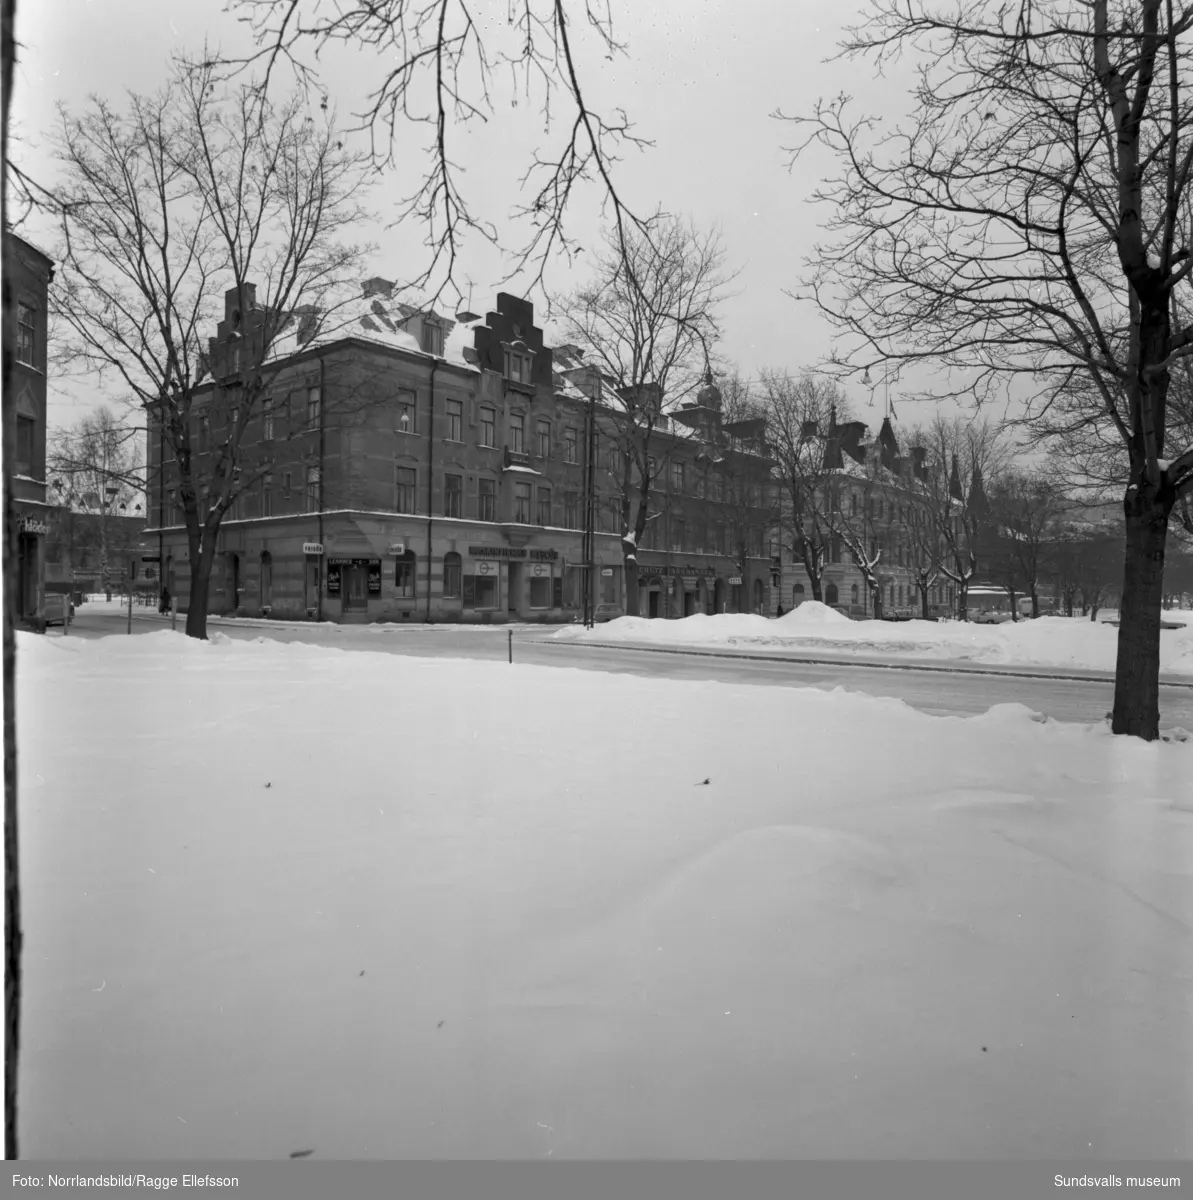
x=132, y=574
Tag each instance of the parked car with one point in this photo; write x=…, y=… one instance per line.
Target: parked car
x=990, y=616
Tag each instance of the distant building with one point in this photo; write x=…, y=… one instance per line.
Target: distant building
x=422, y=468
x=28, y=272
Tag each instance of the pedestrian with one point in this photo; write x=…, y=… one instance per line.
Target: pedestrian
x=164, y=606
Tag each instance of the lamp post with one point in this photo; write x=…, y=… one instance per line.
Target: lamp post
x=588, y=543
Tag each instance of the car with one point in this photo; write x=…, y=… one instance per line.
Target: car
x=990, y=616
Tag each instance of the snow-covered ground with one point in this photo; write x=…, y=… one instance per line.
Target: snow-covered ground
x=283, y=898
x=1048, y=641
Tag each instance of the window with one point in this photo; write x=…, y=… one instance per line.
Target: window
x=405, y=479
x=25, y=430
x=266, y=579
x=26, y=322
x=677, y=534
x=488, y=427
x=614, y=458
x=570, y=443
x=406, y=411
x=544, y=439
x=267, y=496
x=455, y=421
x=544, y=506
x=835, y=550
x=571, y=510
x=677, y=477
x=480, y=591
x=451, y=576
x=853, y=505
x=853, y=594
x=204, y=433
x=517, y=365
x=312, y=489
x=286, y=485
x=540, y=591
x=487, y=500
x=453, y=495
x=432, y=340
x=522, y=503
x=517, y=432
x=267, y=421
x=171, y=507
x=314, y=406
x=404, y=575
x=611, y=586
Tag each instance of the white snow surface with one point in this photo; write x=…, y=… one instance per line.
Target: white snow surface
x=1048, y=641
x=282, y=898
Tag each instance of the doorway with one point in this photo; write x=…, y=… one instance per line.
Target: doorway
x=689, y=604
x=26, y=576
x=514, y=589
x=356, y=587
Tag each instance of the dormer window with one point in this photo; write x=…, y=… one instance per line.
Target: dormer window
x=518, y=363
x=432, y=339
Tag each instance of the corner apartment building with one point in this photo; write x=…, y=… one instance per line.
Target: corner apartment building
x=28, y=272
x=419, y=469
x=869, y=485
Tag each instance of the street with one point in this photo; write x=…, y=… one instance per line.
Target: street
x=930, y=690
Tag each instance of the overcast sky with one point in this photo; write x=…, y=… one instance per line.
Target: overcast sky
x=700, y=80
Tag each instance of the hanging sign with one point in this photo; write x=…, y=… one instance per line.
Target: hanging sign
x=398, y=549
x=607, y=571
x=312, y=547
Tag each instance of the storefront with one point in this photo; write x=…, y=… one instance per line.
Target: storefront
x=32, y=529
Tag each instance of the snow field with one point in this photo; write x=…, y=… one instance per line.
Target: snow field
x=281, y=897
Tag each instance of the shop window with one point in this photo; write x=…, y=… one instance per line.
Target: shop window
x=453, y=495
x=487, y=500
x=522, y=503
x=480, y=591
x=540, y=591
x=404, y=575
x=451, y=576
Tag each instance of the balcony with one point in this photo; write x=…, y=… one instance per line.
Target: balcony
x=516, y=458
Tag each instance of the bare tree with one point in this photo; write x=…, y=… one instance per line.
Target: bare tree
x=743, y=468
x=201, y=191
x=646, y=323
x=800, y=411
x=443, y=71
x=1026, y=506
x=1026, y=229
x=98, y=467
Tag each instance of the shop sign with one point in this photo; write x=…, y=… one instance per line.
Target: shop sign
x=312, y=547
x=32, y=525
x=735, y=581
x=607, y=571
x=375, y=578
x=333, y=577
x=540, y=570
x=487, y=569
x=398, y=549
x=512, y=552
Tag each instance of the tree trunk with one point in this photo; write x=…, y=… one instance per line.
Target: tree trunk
x=1035, y=601
x=196, y=608
x=1137, y=671
x=630, y=561
x=963, y=600
x=924, y=600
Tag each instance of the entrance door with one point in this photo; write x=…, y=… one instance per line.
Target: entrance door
x=26, y=575
x=356, y=588
x=689, y=603
x=653, y=608
x=514, y=597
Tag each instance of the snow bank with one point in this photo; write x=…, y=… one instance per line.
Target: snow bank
x=1049, y=641
x=283, y=897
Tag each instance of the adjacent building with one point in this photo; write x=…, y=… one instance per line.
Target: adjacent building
x=422, y=468
x=28, y=272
